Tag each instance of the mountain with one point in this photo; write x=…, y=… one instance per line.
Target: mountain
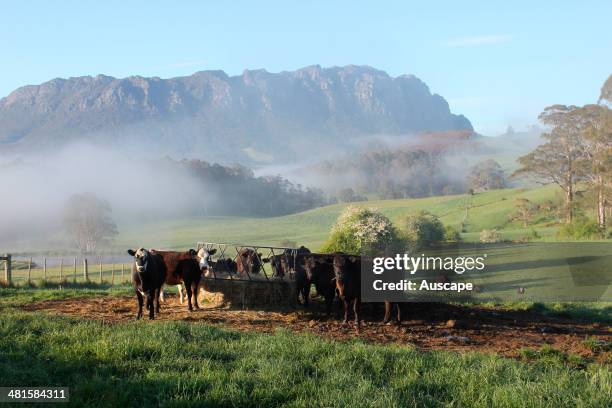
x=254, y=117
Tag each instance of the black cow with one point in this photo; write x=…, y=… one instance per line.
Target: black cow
x=292, y=260
x=347, y=270
x=224, y=265
x=281, y=264
x=148, y=274
x=320, y=272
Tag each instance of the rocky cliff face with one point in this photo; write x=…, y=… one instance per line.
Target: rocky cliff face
x=256, y=116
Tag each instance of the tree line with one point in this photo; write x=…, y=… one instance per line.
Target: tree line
x=577, y=154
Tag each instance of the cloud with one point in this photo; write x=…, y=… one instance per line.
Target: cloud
x=478, y=40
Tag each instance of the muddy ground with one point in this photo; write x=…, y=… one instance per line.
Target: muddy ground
x=426, y=326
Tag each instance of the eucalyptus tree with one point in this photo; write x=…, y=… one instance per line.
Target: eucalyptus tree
x=561, y=159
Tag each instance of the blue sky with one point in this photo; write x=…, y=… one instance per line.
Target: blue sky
x=499, y=63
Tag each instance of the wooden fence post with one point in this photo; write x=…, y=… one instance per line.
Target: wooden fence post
x=85, y=270
x=30, y=271
x=74, y=272
x=122, y=278
x=100, y=260
x=45, y=267
x=8, y=269
x=61, y=269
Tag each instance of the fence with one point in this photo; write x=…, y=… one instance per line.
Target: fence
x=8, y=272
x=30, y=270
x=226, y=251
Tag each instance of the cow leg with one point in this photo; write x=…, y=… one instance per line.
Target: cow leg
x=140, y=302
x=195, y=287
x=150, y=297
x=161, y=294
x=329, y=302
x=388, y=310
x=180, y=291
x=356, y=308
x=158, y=294
x=346, y=310
x=399, y=313
x=306, y=293
x=329, y=295
x=188, y=289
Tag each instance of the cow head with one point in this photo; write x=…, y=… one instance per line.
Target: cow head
x=310, y=264
x=141, y=258
x=204, y=257
x=248, y=261
x=279, y=265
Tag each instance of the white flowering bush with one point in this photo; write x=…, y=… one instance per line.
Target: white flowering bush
x=361, y=230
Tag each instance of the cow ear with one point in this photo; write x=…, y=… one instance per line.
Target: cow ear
x=131, y=252
x=192, y=252
x=212, y=251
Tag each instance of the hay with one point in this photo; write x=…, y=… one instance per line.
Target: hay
x=245, y=294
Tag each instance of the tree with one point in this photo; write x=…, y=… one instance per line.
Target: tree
x=87, y=220
x=422, y=230
x=361, y=230
x=559, y=160
x=486, y=175
x=598, y=155
x=525, y=210
x=348, y=195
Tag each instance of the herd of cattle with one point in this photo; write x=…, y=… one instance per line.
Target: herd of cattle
x=332, y=275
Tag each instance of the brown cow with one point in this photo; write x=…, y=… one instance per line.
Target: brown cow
x=248, y=262
x=183, y=267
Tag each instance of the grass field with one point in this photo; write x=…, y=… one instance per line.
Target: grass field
x=192, y=364
x=488, y=210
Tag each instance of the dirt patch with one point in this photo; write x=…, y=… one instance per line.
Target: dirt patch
x=426, y=326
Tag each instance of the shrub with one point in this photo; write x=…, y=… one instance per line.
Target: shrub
x=490, y=236
x=579, y=229
x=422, y=230
x=451, y=234
x=361, y=230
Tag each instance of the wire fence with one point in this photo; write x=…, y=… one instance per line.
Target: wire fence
x=49, y=269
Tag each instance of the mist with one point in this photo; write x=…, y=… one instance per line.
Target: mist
x=371, y=161
x=36, y=188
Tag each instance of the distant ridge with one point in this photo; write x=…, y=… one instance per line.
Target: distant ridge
x=257, y=116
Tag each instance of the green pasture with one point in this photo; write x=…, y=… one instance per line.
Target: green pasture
x=193, y=364
x=311, y=228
